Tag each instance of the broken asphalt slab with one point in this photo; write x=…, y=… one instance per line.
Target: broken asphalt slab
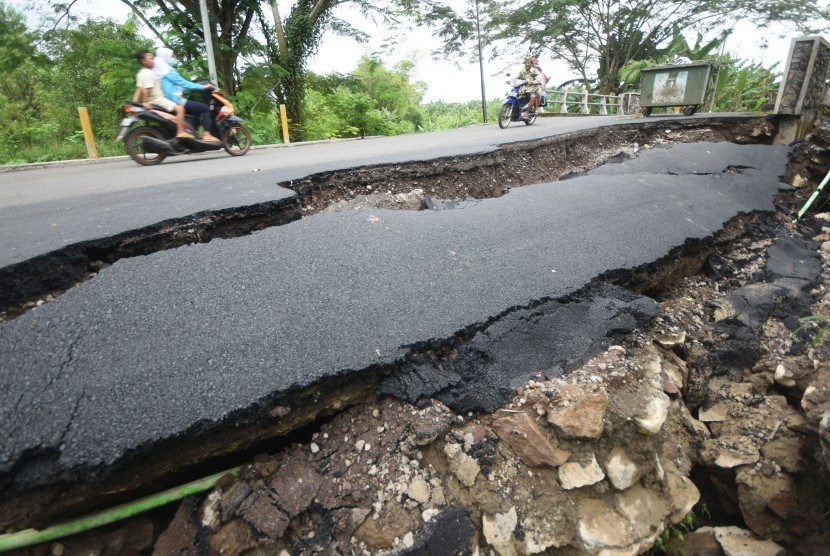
x=184, y=343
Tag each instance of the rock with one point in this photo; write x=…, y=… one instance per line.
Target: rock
x=232, y=498
x=716, y=413
x=550, y=524
x=427, y=515
x=784, y=450
x=671, y=338
x=729, y=452
x=740, y=542
x=464, y=467
x=265, y=517
x=676, y=368
x=498, y=531
x=349, y=519
x=233, y=538
x=601, y=526
x=180, y=535
x=816, y=398
x=765, y=501
x=210, y=511
x=784, y=377
x=419, y=490
x=412, y=200
x=574, y=475
x=681, y=491
x=374, y=535
x=431, y=423
x=530, y=445
x=646, y=512
x=408, y=540
x=295, y=486
x=621, y=470
x=702, y=542
x=578, y=413
x=657, y=410
x=668, y=385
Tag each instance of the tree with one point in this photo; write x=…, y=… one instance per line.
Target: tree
x=603, y=35
x=92, y=65
x=232, y=25
x=16, y=42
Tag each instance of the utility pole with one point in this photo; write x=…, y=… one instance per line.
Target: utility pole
x=480, y=67
x=208, y=32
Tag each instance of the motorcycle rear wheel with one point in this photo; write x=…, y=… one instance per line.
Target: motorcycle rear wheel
x=531, y=118
x=236, y=139
x=133, y=145
x=504, y=115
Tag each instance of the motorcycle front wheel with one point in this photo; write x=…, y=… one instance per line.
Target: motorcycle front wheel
x=236, y=139
x=504, y=115
x=134, y=148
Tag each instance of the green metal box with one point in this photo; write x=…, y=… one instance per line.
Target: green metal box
x=676, y=85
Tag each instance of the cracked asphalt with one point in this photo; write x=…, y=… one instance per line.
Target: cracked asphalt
x=176, y=343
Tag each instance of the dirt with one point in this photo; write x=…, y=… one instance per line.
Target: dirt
x=385, y=477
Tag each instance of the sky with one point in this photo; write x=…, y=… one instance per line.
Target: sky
x=459, y=80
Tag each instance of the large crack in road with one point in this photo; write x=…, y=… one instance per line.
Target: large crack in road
x=25, y=284
x=478, y=314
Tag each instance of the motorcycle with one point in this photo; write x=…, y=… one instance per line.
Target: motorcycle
x=514, y=105
x=149, y=135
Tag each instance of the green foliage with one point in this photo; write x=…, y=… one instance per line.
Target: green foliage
x=94, y=66
x=670, y=542
x=449, y=115
x=90, y=65
x=16, y=42
x=743, y=87
x=629, y=74
x=817, y=324
x=736, y=85
x=608, y=34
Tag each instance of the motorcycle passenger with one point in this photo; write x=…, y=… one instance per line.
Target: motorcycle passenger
x=173, y=85
x=543, y=97
x=148, y=90
x=532, y=86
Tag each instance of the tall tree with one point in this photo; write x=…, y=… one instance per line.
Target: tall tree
x=598, y=37
x=93, y=65
x=293, y=39
x=285, y=34
x=16, y=41
x=231, y=24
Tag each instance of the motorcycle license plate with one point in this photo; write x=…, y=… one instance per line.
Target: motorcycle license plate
x=125, y=125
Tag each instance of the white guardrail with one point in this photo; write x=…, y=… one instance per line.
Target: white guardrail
x=559, y=100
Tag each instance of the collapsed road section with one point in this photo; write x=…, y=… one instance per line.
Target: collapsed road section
x=61, y=242
x=166, y=360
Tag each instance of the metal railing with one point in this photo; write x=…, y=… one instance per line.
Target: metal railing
x=560, y=100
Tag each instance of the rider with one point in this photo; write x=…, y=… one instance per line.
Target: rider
x=533, y=85
x=148, y=90
x=543, y=98
x=173, y=84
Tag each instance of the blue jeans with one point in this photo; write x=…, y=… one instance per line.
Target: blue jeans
x=196, y=108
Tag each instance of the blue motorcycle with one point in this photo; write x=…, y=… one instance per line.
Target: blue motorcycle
x=514, y=105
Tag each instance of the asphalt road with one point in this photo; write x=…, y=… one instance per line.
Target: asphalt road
x=154, y=346
x=48, y=207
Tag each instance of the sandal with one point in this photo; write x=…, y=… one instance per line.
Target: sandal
x=184, y=135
